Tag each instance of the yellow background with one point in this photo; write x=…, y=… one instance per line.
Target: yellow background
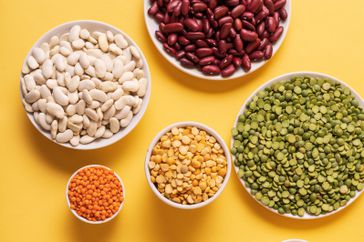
x=325, y=36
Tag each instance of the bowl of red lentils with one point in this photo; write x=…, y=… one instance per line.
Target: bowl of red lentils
x=95, y=194
x=187, y=165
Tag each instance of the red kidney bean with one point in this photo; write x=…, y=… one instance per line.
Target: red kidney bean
x=195, y=35
x=153, y=9
x=205, y=25
x=211, y=42
x=191, y=24
x=232, y=3
x=270, y=5
x=172, y=39
x=201, y=43
x=263, y=44
x=261, y=29
x=169, y=49
x=190, y=48
x=268, y=52
x=238, y=24
x=199, y=7
x=256, y=55
x=187, y=63
x=207, y=60
x=171, y=5
x=252, y=46
x=185, y=7
x=262, y=14
x=203, y=52
x=160, y=36
x=232, y=34
x=212, y=4
x=222, y=46
x=180, y=54
x=177, y=10
x=248, y=35
x=255, y=5
x=265, y=34
x=271, y=24
x=248, y=15
x=172, y=28
x=237, y=11
x=248, y=25
x=211, y=70
x=283, y=14
x=225, y=30
x=226, y=61
x=218, y=36
x=236, y=61
x=246, y=63
x=238, y=43
x=159, y=17
x=183, y=40
x=279, y=4
x=220, y=11
x=275, y=36
x=228, y=71
x=225, y=20
x=192, y=57
x=276, y=17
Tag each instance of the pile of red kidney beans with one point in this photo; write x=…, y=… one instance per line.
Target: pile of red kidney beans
x=219, y=36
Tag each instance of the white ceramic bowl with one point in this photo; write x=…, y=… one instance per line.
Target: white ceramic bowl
x=209, y=131
x=93, y=25
x=152, y=26
x=82, y=218
x=281, y=78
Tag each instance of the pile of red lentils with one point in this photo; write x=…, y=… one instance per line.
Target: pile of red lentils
x=95, y=193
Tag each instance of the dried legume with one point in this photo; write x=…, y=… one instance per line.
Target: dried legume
x=187, y=165
x=208, y=35
x=299, y=146
x=83, y=84
x=95, y=193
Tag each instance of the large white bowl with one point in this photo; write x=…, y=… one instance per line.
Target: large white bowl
x=209, y=131
x=152, y=26
x=84, y=219
x=93, y=25
x=281, y=78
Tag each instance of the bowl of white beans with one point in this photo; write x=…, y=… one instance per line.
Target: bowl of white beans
x=85, y=84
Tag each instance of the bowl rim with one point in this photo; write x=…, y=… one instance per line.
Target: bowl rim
x=98, y=143
x=198, y=74
x=282, y=78
x=210, y=131
x=84, y=219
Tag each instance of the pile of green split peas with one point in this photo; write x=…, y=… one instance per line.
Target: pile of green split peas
x=299, y=146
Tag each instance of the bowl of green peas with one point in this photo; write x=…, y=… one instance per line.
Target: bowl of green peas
x=297, y=145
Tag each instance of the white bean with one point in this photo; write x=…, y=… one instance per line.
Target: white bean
x=102, y=39
x=98, y=95
x=42, y=122
x=32, y=63
x=114, y=125
x=120, y=41
x=100, y=131
x=84, y=61
x=54, y=129
x=126, y=121
x=32, y=96
x=100, y=68
x=39, y=55
x=61, y=98
x=74, y=33
x=107, y=134
x=143, y=87
x=47, y=69
x=75, y=141
x=131, y=86
x=126, y=76
x=62, y=124
x=65, y=136
x=29, y=82
x=92, y=114
x=123, y=101
x=55, y=110
x=86, y=139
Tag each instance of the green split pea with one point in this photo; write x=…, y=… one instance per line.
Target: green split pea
x=299, y=146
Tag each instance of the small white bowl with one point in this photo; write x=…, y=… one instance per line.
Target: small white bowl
x=93, y=25
x=209, y=131
x=84, y=219
x=152, y=26
x=281, y=78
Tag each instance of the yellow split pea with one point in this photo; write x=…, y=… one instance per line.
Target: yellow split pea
x=187, y=165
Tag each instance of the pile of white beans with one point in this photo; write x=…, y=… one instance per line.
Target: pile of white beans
x=82, y=86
